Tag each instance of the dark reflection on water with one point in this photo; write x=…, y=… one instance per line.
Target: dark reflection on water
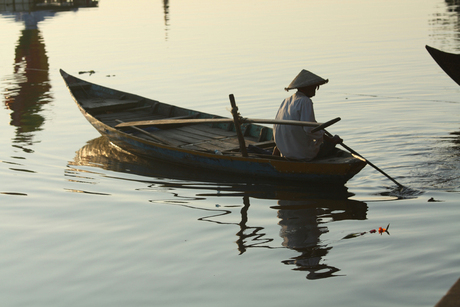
x=302, y=224
x=303, y=212
x=41, y=5
x=166, y=13
x=446, y=26
x=456, y=138
x=29, y=87
x=453, y=5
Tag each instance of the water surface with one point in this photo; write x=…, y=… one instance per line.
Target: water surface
x=86, y=224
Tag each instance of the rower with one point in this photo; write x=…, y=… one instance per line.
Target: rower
x=295, y=142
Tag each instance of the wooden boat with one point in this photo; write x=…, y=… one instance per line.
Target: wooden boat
x=449, y=62
x=189, y=138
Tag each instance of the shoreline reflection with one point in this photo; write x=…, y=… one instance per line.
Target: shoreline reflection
x=303, y=212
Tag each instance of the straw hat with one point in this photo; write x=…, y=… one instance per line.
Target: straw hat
x=306, y=78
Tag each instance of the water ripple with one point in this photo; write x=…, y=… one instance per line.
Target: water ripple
x=86, y=192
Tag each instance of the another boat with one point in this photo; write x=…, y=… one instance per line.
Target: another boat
x=449, y=62
x=194, y=139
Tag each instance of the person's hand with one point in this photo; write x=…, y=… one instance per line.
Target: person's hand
x=336, y=139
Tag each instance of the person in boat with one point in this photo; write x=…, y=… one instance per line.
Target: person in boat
x=297, y=142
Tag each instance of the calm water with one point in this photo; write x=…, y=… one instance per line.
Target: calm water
x=85, y=224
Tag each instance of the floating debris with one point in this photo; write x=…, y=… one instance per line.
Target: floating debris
x=90, y=72
x=14, y=193
x=354, y=235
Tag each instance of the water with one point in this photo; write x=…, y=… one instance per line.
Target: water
x=85, y=224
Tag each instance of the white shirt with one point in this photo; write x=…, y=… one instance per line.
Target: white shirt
x=297, y=142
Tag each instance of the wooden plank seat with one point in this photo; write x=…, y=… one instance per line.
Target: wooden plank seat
x=99, y=104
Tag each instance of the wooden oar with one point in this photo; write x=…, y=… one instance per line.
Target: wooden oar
x=163, y=122
x=326, y=124
x=368, y=162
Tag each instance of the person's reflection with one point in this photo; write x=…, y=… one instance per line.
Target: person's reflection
x=302, y=224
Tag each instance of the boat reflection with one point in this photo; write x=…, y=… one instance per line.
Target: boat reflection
x=303, y=212
x=28, y=89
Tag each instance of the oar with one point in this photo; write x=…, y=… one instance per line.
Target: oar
x=162, y=122
x=326, y=124
x=368, y=162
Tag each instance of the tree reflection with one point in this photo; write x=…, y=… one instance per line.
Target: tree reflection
x=29, y=87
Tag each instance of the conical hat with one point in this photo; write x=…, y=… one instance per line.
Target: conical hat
x=306, y=78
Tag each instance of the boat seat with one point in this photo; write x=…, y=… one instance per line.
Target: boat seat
x=100, y=105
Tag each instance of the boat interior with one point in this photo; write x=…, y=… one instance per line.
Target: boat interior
x=114, y=108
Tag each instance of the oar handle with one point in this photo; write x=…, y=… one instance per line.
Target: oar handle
x=326, y=124
x=236, y=121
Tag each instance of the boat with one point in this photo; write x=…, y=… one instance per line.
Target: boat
x=198, y=140
x=449, y=62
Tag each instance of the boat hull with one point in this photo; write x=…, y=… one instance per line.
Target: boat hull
x=449, y=62
x=334, y=170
